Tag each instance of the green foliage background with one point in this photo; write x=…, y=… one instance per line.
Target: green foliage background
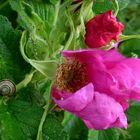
x=21, y=115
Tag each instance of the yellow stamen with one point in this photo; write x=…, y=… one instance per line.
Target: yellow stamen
x=71, y=76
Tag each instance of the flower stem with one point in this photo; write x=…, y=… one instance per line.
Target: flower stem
x=71, y=37
x=57, y=6
x=82, y=19
x=46, y=111
x=39, y=134
x=123, y=37
x=116, y=7
x=25, y=82
x=85, y=11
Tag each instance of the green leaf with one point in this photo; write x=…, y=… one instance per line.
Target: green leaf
x=109, y=134
x=133, y=112
x=32, y=93
x=134, y=130
x=53, y=130
x=130, y=48
x=123, y=4
x=28, y=117
x=101, y=6
x=29, y=111
x=47, y=68
x=26, y=110
x=74, y=127
x=40, y=43
x=130, y=17
x=11, y=67
x=93, y=135
x=3, y=4
x=31, y=21
x=44, y=9
x=6, y=10
x=9, y=126
x=53, y=1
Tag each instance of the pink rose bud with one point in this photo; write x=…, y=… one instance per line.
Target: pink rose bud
x=101, y=29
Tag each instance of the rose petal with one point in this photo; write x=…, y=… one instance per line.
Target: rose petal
x=76, y=101
x=98, y=111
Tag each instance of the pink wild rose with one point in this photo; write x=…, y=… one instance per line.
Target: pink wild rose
x=101, y=29
x=97, y=110
x=115, y=80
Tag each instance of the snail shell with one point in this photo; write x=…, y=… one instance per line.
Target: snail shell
x=7, y=88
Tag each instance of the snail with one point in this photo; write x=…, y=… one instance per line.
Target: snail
x=7, y=87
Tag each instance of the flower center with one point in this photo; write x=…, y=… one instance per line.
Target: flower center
x=71, y=76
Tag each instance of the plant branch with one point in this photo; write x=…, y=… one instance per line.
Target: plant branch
x=46, y=111
x=57, y=6
x=124, y=37
x=116, y=7
x=26, y=81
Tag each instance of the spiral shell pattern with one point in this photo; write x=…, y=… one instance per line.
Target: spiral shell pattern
x=7, y=88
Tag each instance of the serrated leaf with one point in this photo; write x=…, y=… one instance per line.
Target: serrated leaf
x=20, y=120
x=44, y=9
x=40, y=44
x=29, y=115
x=9, y=126
x=10, y=66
